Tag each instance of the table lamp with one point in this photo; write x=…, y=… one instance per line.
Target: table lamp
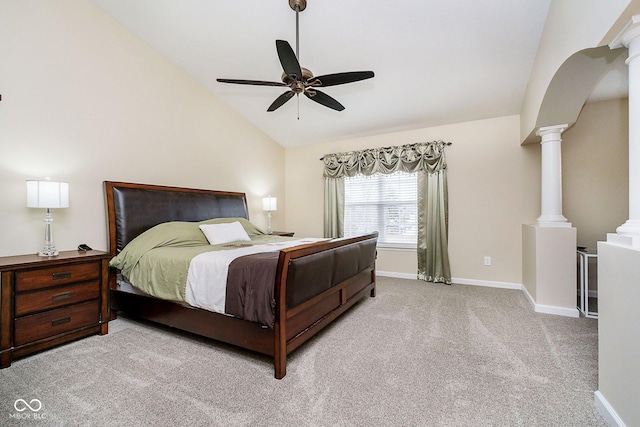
x=48, y=195
x=269, y=204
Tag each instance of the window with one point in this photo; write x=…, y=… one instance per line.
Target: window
x=386, y=203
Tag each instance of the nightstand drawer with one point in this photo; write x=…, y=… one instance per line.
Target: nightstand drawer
x=37, y=326
x=49, y=298
x=44, y=277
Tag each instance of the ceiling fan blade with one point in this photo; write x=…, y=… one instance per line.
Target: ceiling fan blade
x=251, y=82
x=279, y=102
x=340, y=78
x=324, y=99
x=288, y=59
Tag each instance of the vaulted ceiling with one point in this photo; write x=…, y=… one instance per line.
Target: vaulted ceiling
x=435, y=62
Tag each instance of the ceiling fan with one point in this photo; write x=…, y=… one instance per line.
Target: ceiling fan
x=299, y=79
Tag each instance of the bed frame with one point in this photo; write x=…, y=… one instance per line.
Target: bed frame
x=315, y=283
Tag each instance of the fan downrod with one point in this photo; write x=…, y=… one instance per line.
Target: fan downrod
x=301, y=4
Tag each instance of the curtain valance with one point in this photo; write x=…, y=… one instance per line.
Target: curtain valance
x=421, y=156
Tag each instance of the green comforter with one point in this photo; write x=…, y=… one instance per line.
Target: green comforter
x=157, y=261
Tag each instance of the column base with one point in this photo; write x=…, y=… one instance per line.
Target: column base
x=618, y=329
x=628, y=235
x=632, y=242
x=549, y=274
x=553, y=224
x=629, y=228
x=552, y=221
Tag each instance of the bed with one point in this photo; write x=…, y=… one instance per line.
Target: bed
x=314, y=282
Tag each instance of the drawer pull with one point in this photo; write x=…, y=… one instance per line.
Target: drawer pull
x=64, y=275
x=60, y=321
x=59, y=297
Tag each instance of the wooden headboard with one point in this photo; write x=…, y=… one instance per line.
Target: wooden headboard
x=134, y=208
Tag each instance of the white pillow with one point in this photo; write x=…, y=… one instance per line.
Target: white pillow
x=218, y=234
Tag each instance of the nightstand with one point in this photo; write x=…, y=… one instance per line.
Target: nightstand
x=46, y=301
x=283, y=233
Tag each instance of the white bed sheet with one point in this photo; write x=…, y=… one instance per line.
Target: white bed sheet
x=207, y=275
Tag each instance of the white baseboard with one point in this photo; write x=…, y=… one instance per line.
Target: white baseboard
x=550, y=309
x=396, y=275
x=487, y=283
x=558, y=311
x=456, y=280
x=606, y=410
x=529, y=298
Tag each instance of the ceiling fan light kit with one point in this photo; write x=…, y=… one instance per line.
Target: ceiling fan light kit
x=302, y=4
x=299, y=79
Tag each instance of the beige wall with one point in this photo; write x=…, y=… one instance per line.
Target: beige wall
x=570, y=27
x=595, y=170
x=494, y=187
x=84, y=101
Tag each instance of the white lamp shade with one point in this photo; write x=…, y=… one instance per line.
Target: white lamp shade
x=269, y=204
x=47, y=194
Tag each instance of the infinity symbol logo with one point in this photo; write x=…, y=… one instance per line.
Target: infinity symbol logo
x=21, y=405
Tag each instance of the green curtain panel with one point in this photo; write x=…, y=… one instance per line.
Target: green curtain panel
x=334, y=207
x=433, y=227
x=425, y=158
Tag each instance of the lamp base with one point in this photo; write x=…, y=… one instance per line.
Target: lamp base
x=48, y=251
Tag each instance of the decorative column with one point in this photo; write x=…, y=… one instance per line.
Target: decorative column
x=628, y=233
x=549, y=246
x=551, y=194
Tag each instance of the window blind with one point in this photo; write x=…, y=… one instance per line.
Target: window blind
x=386, y=203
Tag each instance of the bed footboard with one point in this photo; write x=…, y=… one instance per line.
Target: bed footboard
x=315, y=284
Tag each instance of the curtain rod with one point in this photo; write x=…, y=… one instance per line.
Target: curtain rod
x=445, y=143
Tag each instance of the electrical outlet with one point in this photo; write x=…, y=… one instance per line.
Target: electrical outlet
x=487, y=260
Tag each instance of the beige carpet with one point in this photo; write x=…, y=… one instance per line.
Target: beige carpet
x=418, y=354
